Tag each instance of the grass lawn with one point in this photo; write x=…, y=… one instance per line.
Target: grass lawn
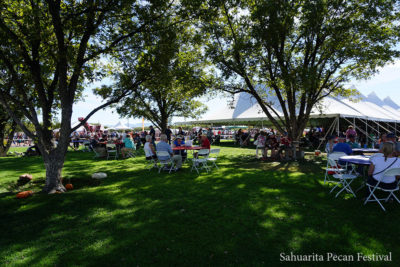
x=246, y=213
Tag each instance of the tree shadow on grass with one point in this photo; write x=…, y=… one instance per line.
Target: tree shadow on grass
x=237, y=215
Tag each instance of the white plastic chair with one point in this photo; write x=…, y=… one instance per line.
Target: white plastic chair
x=165, y=162
x=343, y=178
x=214, y=152
x=201, y=163
x=333, y=168
x=86, y=146
x=372, y=188
x=96, y=154
x=111, y=151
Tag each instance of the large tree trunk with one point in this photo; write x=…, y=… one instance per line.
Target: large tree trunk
x=163, y=123
x=5, y=147
x=54, y=157
x=53, y=163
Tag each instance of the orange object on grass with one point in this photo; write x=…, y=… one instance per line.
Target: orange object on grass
x=69, y=186
x=24, y=194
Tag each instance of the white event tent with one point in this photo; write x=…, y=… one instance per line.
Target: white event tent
x=120, y=127
x=374, y=113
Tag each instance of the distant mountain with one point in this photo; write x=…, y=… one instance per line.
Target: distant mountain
x=389, y=102
x=373, y=98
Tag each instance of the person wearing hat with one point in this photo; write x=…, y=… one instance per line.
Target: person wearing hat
x=178, y=142
x=352, y=142
x=342, y=146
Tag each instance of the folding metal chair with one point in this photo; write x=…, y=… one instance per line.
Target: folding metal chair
x=333, y=169
x=96, y=154
x=372, y=188
x=201, y=163
x=164, y=163
x=112, y=151
x=214, y=152
x=151, y=163
x=343, y=178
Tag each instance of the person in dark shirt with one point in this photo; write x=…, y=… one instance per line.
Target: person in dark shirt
x=180, y=131
x=168, y=132
x=153, y=135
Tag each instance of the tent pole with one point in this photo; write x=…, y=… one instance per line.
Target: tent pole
x=330, y=129
x=366, y=132
x=338, y=128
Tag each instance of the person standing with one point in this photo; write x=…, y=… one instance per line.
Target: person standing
x=168, y=133
x=153, y=135
x=350, y=131
x=180, y=131
x=260, y=144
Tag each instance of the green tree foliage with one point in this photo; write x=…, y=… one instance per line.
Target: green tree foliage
x=299, y=51
x=50, y=49
x=174, y=76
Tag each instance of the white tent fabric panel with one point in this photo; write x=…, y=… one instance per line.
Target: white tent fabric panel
x=369, y=110
x=383, y=111
x=331, y=105
x=393, y=111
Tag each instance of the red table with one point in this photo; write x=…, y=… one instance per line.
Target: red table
x=178, y=148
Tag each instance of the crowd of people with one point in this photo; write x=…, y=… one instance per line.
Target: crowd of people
x=275, y=143
x=128, y=141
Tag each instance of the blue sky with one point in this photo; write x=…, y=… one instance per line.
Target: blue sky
x=385, y=83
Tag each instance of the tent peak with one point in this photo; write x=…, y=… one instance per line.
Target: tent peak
x=388, y=101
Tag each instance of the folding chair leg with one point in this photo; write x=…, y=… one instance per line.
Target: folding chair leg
x=334, y=187
x=398, y=201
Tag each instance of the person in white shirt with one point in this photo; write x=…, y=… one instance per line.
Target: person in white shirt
x=381, y=163
x=149, y=149
x=330, y=144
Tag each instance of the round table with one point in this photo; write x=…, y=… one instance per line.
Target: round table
x=358, y=160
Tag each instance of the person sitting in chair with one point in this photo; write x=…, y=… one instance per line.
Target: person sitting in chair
x=129, y=146
x=164, y=146
x=330, y=144
x=381, y=163
x=33, y=151
x=179, y=142
x=342, y=146
x=149, y=149
x=352, y=142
